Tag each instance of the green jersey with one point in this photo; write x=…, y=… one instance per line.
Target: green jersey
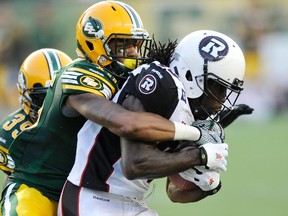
x=44, y=153
x=9, y=129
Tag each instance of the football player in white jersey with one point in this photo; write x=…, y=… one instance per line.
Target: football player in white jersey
x=111, y=174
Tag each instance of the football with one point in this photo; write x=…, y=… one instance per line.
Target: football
x=176, y=179
x=182, y=183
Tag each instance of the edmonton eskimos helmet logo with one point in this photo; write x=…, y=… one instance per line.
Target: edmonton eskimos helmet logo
x=91, y=30
x=213, y=48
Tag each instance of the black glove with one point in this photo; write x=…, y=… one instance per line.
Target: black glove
x=228, y=116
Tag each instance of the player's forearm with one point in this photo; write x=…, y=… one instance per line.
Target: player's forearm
x=148, y=127
x=133, y=125
x=120, y=121
x=141, y=160
x=152, y=128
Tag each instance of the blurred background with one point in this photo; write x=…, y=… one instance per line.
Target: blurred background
x=260, y=27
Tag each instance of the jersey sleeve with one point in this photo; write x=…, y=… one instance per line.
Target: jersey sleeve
x=154, y=86
x=88, y=78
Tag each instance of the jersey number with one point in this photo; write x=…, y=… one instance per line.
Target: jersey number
x=9, y=125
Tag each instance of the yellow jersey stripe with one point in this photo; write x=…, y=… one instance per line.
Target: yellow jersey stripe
x=4, y=149
x=82, y=88
x=94, y=75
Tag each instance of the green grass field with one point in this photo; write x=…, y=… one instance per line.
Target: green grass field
x=256, y=182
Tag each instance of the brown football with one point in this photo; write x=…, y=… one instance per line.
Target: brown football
x=181, y=183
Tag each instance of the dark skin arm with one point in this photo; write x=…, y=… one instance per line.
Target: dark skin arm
x=144, y=160
x=183, y=196
x=120, y=121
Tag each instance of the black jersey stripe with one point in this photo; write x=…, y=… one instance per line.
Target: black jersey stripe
x=70, y=200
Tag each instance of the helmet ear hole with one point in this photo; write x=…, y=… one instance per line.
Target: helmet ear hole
x=189, y=75
x=90, y=45
x=37, y=85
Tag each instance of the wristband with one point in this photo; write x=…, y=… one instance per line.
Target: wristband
x=215, y=190
x=203, y=156
x=185, y=132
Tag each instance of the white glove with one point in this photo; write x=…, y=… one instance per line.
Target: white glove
x=214, y=156
x=211, y=132
x=207, y=180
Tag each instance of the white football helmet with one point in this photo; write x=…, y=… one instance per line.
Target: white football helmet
x=204, y=55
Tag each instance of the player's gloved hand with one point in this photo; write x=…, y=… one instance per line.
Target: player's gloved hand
x=210, y=130
x=207, y=180
x=214, y=156
x=228, y=116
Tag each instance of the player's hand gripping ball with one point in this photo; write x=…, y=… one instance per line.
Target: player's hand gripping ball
x=211, y=132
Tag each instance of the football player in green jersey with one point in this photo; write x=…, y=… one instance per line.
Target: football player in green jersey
x=35, y=75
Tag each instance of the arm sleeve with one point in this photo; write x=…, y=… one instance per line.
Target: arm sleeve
x=88, y=79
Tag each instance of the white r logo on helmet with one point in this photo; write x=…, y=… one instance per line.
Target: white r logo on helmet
x=213, y=48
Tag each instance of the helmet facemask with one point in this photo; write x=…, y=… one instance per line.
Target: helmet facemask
x=116, y=51
x=225, y=93
x=32, y=99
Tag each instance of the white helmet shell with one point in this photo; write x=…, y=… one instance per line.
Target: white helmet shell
x=222, y=55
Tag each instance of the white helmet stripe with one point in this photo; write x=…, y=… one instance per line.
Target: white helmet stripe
x=53, y=61
x=135, y=18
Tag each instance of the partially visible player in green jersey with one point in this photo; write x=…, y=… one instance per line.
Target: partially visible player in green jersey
x=34, y=78
x=35, y=75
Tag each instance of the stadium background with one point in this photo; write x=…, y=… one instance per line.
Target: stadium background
x=255, y=182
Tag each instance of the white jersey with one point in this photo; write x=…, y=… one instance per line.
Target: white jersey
x=97, y=163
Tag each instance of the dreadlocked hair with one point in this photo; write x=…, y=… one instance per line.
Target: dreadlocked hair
x=161, y=52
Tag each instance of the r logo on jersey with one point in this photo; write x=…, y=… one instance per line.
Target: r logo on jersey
x=213, y=48
x=148, y=84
